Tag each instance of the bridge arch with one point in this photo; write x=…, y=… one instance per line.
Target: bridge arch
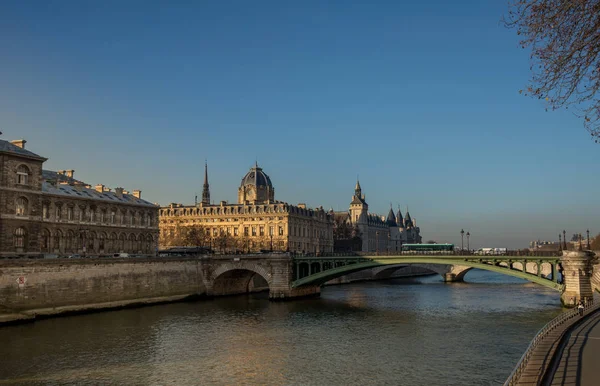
x=240, y=278
x=450, y=268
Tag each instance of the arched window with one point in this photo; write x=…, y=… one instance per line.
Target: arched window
x=71, y=241
x=57, y=238
x=45, y=240
x=70, y=213
x=22, y=175
x=22, y=206
x=101, y=242
x=19, y=238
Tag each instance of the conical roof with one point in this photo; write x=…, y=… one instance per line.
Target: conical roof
x=391, y=219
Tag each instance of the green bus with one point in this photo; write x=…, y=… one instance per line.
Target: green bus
x=427, y=247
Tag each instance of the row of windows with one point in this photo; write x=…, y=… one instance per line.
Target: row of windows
x=85, y=214
x=72, y=241
x=237, y=210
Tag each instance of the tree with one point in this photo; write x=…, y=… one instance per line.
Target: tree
x=595, y=244
x=564, y=37
x=195, y=236
x=342, y=229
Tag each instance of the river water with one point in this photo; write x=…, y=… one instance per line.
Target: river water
x=399, y=332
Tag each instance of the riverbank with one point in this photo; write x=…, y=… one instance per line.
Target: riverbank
x=37, y=289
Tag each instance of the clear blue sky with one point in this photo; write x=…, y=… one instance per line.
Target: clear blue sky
x=418, y=98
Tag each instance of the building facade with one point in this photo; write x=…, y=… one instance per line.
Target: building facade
x=378, y=233
x=257, y=222
x=44, y=212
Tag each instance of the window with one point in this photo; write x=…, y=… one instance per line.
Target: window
x=112, y=217
x=70, y=213
x=271, y=230
x=58, y=212
x=92, y=215
x=22, y=205
x=19, y=238
x=262, y=230
x=46, y=211
x=81, y=213
x=254, y=231
x=280, y=230
x=103, y=216
x=235, y=231
x=22, y=175
x=245, y=231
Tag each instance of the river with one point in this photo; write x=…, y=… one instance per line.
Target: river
x=416, y=331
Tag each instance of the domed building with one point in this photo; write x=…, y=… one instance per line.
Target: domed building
x=256, y=188
x=257, y=222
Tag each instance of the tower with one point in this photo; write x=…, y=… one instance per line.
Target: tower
x=358, y=206
x=205, y=187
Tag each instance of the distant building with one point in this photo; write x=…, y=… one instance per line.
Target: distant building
x=544, y=245
x=378, y=233
x=257, y=222
x=47, y=212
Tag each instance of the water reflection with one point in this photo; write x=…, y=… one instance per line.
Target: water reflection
x=412, y=332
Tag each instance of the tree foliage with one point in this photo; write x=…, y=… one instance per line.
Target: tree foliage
x=595, y=244
x=564, y=37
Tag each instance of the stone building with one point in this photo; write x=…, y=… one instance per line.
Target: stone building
x=51, y=213
x=378, y=233
x=257, y=222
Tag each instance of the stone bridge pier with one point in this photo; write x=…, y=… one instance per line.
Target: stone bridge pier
x=578, y=270
x=232, y=275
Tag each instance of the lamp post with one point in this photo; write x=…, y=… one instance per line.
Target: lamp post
x=588, y=237
x=462, y=239
x=377, y=242
x=560, y=242
x=468, y=245
x=564, y=240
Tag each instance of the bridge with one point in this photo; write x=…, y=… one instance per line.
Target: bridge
x=569, y=273
x=52, y=286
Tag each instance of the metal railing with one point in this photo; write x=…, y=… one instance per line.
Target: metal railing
x=514, y=377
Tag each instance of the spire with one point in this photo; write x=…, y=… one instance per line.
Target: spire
x=407, y=220
x=391, y=219
x=357, y=189
x=205, y=187
x=399, y=218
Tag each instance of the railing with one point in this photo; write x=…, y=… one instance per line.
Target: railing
x=514, y=377
x=510, y=253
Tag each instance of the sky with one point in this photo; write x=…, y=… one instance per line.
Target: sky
x=420, y=100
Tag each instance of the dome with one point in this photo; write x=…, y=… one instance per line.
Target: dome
x=257, y=177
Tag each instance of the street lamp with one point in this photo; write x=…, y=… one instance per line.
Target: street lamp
x=560, y=242
x=588, y=237
x=377, y=242
x=468, y=245
x=462, y=239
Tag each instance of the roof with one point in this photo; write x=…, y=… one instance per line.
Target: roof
x=256, y=177
x=7, y=147
x=391, y=219
x=88, y=193
x=50, y=175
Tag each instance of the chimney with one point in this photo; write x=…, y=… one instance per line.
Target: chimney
x=70, y=173
x=137, y=193
x=125, y=192
x=119, y=192
x=19, y=142
x=99, y=188
x=78, y=186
